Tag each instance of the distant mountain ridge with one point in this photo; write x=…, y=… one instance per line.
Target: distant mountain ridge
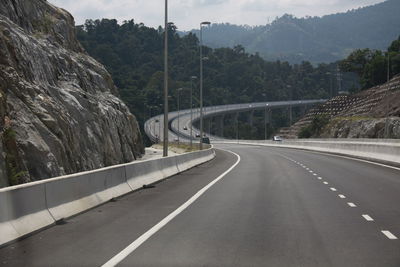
x=315, y=39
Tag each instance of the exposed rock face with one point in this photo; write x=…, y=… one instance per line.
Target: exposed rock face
x=364, y=128
x=373, y=113
x=59, y=112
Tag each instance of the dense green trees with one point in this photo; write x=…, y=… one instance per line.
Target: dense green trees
x=133, y=53
x=373, y=66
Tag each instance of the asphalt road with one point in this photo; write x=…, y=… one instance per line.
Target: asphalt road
x=277, y=207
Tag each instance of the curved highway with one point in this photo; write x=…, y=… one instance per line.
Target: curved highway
x=154, y=126
x=253, y=206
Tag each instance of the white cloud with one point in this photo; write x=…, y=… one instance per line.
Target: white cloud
x=187, y=14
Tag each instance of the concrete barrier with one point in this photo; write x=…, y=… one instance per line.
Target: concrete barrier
x=382, y=151
x=169, y=166
x=143, y=173
x=70, y=195
x=23, y=210
x=191, y=160
x=31, y=207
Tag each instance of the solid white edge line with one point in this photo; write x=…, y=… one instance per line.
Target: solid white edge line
x=139, y=241
x=389, y=234
x=368, y=218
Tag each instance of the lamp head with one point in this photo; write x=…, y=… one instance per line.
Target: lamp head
x=205, y=23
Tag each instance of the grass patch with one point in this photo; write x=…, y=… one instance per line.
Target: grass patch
x=13, y=166
x=351, y=118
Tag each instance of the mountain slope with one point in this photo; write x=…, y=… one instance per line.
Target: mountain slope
x=59, y=112
x=316, y=39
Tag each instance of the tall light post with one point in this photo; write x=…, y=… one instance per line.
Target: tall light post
x=205, y=23
x=237, y=126
x=388, y=67
x=159, y=126
x=191, y=111
x=265, y=122
x=290, y=106
x=165, y=145
x=179, y=94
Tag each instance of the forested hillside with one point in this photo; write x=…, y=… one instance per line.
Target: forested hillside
x=133, y=53
x=373, y=67
x=315, y=39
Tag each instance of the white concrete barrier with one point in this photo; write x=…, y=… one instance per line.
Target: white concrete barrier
x=31, y=207
x=143, y=173
x=191, y=160
x=378, y=150
x=169, y=166
x=23, y=210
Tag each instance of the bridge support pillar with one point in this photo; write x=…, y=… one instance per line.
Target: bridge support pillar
x=220, y=125
x=209, y=125
x=250, y=118
x=236, y=117
x=267, y=121
x=303, y=110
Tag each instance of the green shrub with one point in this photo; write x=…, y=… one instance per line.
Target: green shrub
x=315, y=128
x=305, y=132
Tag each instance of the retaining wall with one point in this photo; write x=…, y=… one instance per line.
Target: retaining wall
x=30, y=207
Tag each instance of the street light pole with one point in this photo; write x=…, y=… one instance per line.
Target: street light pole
x=290, y=106
x=179, y=94
x=388, y=68
x=201, y=82
x=191, y=111
x=165, y=145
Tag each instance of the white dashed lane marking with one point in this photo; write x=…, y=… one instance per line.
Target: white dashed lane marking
x=389, y=234
x=368, y=218
x=351, y=204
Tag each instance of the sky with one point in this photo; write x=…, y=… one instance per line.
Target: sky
x=187, y=14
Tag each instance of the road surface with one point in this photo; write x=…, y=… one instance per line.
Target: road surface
x=276, y=207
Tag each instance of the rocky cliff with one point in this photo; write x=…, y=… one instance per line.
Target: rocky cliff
x=59, y=112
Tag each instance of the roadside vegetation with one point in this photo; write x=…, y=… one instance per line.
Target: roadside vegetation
x=133, y=53
x=315, y=128
x=373, y=66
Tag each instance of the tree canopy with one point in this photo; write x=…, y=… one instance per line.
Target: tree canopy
x=133, y=54
x=373, y=66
